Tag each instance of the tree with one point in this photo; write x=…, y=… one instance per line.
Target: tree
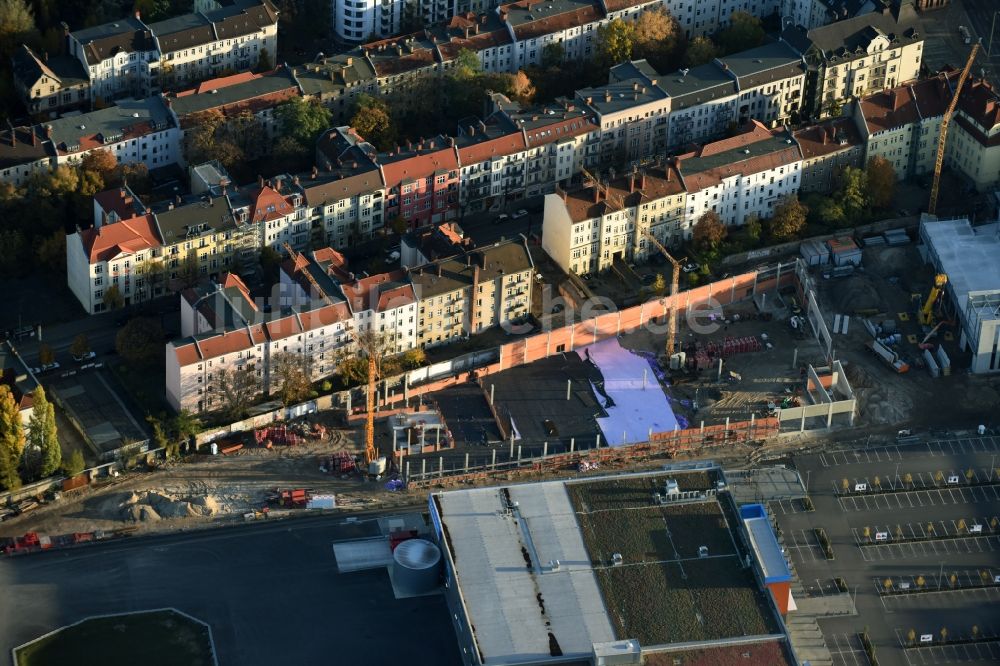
x=50, y=252
x=413, y=359
x=45, y=354
x=153, y=10
x=113, y=299
x=877, y=482
x=74, y=464
x=160, y=439
x=373, y=121
x=288, y=155
x=709, y=231
x=42, y=438
x=908, y=479
x=80, y=345
x=753, y=227
x=185, y=425
x=553, y=54
x=303, y=120
x=11, y=250
x=911, y=636
x=100, y=162
x=190, y=271
x=887, y=584
x=17, y=20
x=140, y=341
x=920, y=581
x=881, y=182
x=656, y=37
x=834, y=109
x=944, y=634
x=290, y=378
x=844, y=485
x=789, y=219
x=11, y=439
x=829, y=212
x=660, y=284
x=208, y=139
x=522, y=87
x=700, y=50
x=615, y=42
x=353, y=369
x=270, y=260
x=745, y=32
x=237, y=388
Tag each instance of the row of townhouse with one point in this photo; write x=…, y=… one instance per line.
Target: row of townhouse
x=146, y=252
x=586, y=230
x=321, y=308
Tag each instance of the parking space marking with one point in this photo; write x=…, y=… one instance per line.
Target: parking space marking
x=846, y=649
x=985, y=652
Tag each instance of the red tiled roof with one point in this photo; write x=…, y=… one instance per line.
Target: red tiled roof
x=574, y=126
x=265, y=198
x=508, y=144
x=324, y=316
x=710, y=177
x=557, y=23
x=933, y=96
x=890, y=109
x=118, y=201
x=819, y=140
x=419, y=166
x=367, y=294
x=981, y=102
x=229, y=342
x=221, y=82
x=283, y=327
x=752, y=132
x=123, y=237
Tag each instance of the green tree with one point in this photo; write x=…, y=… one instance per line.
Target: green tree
x=709, y=231
x=660, y=284
x=102, y=163
x=829, y=212
x=700, y=50
x=745, y=32
x=789, y=219
x=74, y=464
x=17, y=21
x=615, y=42
x=12, y=246
x=264, y=63
x=353, y=369
x=50, y=252
x=373, y=121
x=140, y=341
x=853, y=193
x=153, y=10
x=553, y=54
x=303, y=120
x=237, y=388
x=113, y=299
x=753, y=227
x=881, y=181
x=11, y=439
x=42, y=437
x=289, y=156
x=80, y=346
x=834, y=109
x=185, y=425
x=160, y=439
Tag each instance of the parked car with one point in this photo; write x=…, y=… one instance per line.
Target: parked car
x=519, y=214
x=84, y=357
x=501, y=218
x=45, y=368
x=690, y=267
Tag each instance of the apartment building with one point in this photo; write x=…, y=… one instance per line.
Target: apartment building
x=492, y=155
x=587, y=229
x=815, y=13
x=119, y=254
x=632, y=111
x=703, y=103
x=337, y=82
x=22, y=153
x=128, y=58
x=561, y=138
x=49, y=84
x=974, y=135
x=274, y=209
x=357, y=20
x=770, y=83
x=828, y=148
x=858, y=56
x=903, y=124
x=472, y=292
x=698, y=18
x=257, y=94
x=345, y=195
x=421, y=182
x=742, y=176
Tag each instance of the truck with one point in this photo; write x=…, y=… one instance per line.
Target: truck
x=888, y=356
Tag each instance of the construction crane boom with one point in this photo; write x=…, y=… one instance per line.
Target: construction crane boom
x=945, y=120
x=371, y=346
x=674, y=288
x=603, y=189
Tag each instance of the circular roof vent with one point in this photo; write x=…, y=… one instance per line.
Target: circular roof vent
x=417, y=554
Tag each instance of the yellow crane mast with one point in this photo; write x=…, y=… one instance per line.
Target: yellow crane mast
x=945, y=121
x=675, y=281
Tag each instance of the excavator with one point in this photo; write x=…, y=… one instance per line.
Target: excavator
x=927, y=311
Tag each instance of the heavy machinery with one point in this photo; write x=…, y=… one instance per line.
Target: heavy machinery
x=945, y=120
x=674, y=288
x=927, y=311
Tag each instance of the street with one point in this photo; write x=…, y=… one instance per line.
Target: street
x=270, y=592
x=944, y=45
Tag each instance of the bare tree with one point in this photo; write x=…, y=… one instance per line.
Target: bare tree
x=237, y=388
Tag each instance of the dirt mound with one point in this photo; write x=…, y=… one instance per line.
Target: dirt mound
x=206, y=506
x=889, y=261
x=154, y=505
x=857, y=293
x=141, y=513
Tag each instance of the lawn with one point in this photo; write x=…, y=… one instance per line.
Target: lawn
x=159, y=638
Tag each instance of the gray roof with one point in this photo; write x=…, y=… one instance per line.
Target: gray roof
x=335, y=74
x=621, y=95
x=213, y=98
x=765, y=64
x=501, y=594
x=104, y=41
x=330, y=186
x=744, y=152
x=183, y=32
x=520, y=13
x=699, y=85
x=27, y=147
x=634, y=69
x=128, y=117
x=193, y=217
x=28, y=67
x=501, y=258
x=855, y=33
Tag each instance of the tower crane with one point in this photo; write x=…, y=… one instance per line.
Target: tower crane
x=945, y=121
x=674, y=288
x=603, y=189
x=371, y=345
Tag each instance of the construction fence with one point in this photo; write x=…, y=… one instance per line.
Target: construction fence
x=511, y=464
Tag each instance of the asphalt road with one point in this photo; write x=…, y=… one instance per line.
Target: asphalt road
x=271, y=594
x=844, y=520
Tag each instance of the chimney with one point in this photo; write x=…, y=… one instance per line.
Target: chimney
x=48, y=131
x=642, y=180
x=350, y=61
x=295, y=180
x=34, y=136
x=597, y=195
x=669, y=176
x=590, y=100
x=315, y=173
x=45, y=56
x=138, y=15
x=439, y=270
x=451, y=141
x=430, y=144
x=472, y=130
x=631, y=182
x=607, y=96
x=822, y=130
x=177, y=199
x=277, y=183
x=260, y=181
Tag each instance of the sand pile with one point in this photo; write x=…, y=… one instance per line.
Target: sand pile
x=151, y=505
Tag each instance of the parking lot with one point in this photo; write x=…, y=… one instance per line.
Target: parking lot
x=927, y=511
